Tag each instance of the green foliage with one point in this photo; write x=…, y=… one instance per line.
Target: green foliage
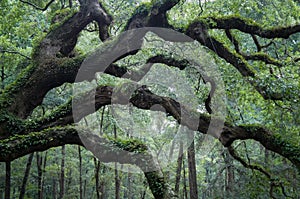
x=23, y=28
x=130, y=145
x=9, y=91
x=60, y=16
x=13, y=125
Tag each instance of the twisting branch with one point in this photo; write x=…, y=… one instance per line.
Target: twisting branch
x=269, y=44
x=15, y=52
x=145, y=99
x=36, y=7
x=256, y=42
x=103, y=25
x=264, y=58
x=234, y=154
x=213, y=85
x=198, y=30
x=153, y=16
x=249, y=26
x=233, y=40
x=273, y=183
x=256, y=56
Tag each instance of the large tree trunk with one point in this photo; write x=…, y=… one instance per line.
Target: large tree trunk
x=26, y=174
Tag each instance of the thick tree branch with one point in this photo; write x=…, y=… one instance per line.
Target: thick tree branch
x=49, y=71
x=99, y=14
x=198, y=31
x=35, y=82
x=63, y=38
x=249, y=26
x=123, y=152
x=117, y=71
x=151, y=15
x=145, y=99
x=60, y=40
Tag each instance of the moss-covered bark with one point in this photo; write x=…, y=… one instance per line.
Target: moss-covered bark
x=249, y=26
x=106, y=150
x=52, y=65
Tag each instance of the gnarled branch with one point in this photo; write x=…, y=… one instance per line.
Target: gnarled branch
x=37, y=7
x=249, y=26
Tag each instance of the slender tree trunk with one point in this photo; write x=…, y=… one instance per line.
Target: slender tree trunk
x=102, y=184
x=44, y=170
x=117, y=183
x=80, y=173
x=39, y=161
x=62, y=173
x=97, y=184
x=229, y=177
x=207, y=192
x=54, y=189
x=117, y=179
x=84, y=186
x=41, y=168
x=192, y=172
x=26, y=174
x=179, y=168
x=185, y=194
x=7, y=179
x=2, y=71
x=267, y=156
x=69, y=180
x=171, y=153
x=7, y=164
x=129, y=186
x=143, y=193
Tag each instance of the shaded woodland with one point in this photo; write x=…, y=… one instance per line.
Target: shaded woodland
x=200, y=97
